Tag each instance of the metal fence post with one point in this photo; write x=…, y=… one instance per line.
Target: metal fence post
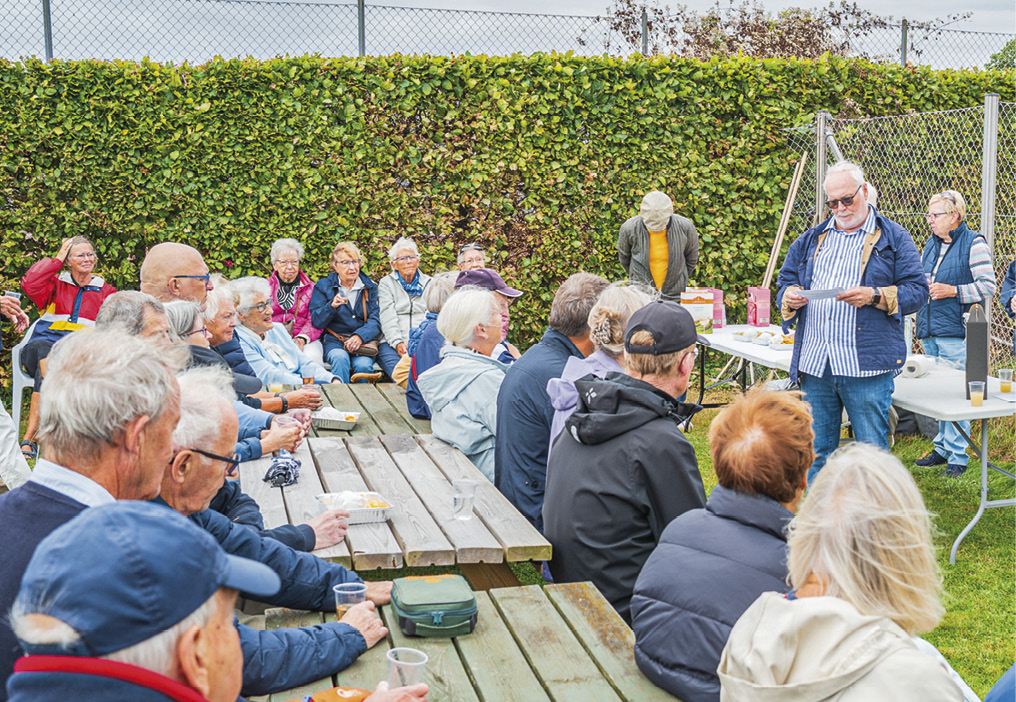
x=903, y=43
x=820, y=161
x=360, y=27
x=645, y=33
x=989, y=159
x=47, y=28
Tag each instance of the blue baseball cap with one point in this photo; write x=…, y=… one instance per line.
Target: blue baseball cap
x=121, y=573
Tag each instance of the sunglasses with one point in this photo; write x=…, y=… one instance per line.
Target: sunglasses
x=471, y=247
x=845, y=201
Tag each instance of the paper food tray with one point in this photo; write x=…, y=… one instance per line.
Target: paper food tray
x=331, y=418
x=363, y=507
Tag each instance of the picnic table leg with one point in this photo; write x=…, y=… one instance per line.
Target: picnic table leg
x=486, y=576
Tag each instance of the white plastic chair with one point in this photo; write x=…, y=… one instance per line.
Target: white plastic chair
x=21, y=379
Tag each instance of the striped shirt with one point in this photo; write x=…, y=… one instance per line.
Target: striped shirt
x=981, y=268
x=829, y=336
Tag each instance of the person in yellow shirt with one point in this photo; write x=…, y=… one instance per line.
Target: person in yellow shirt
x=658, y=248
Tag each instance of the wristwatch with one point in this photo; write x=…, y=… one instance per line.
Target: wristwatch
x=876, y=297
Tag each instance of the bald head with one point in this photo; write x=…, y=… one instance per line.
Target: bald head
x=173, y=271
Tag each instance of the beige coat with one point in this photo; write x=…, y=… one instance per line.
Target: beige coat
x=820, y=648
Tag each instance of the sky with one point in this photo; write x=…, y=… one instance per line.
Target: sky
x=197, y=30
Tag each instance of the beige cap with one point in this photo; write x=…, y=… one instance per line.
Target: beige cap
x=656, y=210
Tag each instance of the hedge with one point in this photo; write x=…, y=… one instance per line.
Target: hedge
x=538, y=158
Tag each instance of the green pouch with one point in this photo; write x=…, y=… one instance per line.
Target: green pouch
x=434, y=605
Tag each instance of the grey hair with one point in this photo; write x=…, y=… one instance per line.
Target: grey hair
x=855, y=171
x=216, y=297
x=466, y=249
x=157, y=653
x=608, y=318
x=402, y=243
x=569, y=312
x=245, y=290
x=282, y=245
x=864, y=531
x=468, y=306
x=200, y=418
x=126, y=310
x=181, y=315
x=438, y=290
x=96, y=383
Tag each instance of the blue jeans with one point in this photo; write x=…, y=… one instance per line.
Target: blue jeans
x=339, y=359
x=949, y=443
x=387, y=358
x=867, y=401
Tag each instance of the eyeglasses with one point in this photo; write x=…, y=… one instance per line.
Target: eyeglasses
x=845, y=201
x=932, y=216
x=206, y=277
x=406, y=259
x=470, y=247
x=84, y=256
x=203, y=331
x=347, y=264
x=287, y=263
x=231, y=463
x=261, y=306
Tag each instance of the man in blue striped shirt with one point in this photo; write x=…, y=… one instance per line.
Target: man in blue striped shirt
x=849, y=347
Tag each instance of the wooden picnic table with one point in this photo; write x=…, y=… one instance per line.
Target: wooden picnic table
x=559, y=642
x=382, y=409
x=414, y=473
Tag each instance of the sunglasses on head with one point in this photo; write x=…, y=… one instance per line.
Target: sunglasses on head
x=471, y=247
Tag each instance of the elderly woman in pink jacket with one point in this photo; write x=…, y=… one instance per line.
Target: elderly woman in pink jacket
x=291, y=291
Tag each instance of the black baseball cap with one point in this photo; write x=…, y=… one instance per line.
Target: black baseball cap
x=671, y=325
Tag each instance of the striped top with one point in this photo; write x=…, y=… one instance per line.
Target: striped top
x=829, y=336
x=981, y=268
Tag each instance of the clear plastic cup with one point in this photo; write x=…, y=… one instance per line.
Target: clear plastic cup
x=348, y=595
x=976, y=393
x=1005, y=379
x=463, y=499
x=405, y=667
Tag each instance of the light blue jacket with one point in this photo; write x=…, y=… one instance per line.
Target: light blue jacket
x=461, y=392
x=289, y=368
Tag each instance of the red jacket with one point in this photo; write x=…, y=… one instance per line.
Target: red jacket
x=63, y=305
x=299, y=314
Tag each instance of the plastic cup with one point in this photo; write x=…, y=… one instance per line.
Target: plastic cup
x=405, y=667
x=1005, y=379
x=348, y=595
x=976, y=393
x=11, y=293
x=301, y=415
x=463, y=499
x=275, y=387
x=308, y=381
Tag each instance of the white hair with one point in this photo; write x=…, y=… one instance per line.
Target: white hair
x=157, y=654
x=402, y=243
x=438, y=290
x=126, y=309
x=466, y=249
x=850, y=167
x=246, y=290
x=96, y=383
x=468, y=306
x=281, y=246
x=200, y=419
x=182, y=314
x=217, y=296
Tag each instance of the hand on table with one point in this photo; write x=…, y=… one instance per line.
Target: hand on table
x=857, y=296
x=794, y=300
x=353, y=343
x=412, y=693
x=11, y=309
x=329, y=528
x=940, y=291
x=304, y=398
x=379, y=591
x=364, y=619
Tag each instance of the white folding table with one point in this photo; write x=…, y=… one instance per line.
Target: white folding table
x=723, y=340
x=941, y=394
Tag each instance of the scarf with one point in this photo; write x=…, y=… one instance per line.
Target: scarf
x=413, y=289
x=285, y=296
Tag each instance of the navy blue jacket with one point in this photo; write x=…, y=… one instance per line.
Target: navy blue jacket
x=233, y=353
x=239, y=507
x=708, y=568
x=427, y=354
x=894, y=262
x=944, y=317
x=362, y=316
x=524, y=416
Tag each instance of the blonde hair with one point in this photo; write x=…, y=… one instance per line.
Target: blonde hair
x=347, y=247
x=863, y=530
x=467, y=307
x=639, y=364
x=608, y=318
x=954, y=202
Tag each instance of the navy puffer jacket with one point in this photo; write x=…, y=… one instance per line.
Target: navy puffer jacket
x=708, y=568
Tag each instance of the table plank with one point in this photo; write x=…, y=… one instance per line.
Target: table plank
x=520, y=539
x=381, y=410
x=472, y=541
x=302, y=504
x=269, y=499
x=445, y=673
x=497, y=666
x=342, y=398
x=421, y=539
x=397, y=396
x=367, y=670
x=372, y=545
x=279, y=618
x=607, y=639
x=558, y=658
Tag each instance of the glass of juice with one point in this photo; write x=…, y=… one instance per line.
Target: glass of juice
x=348, y=595
x=976, y=393
x=1005, y=378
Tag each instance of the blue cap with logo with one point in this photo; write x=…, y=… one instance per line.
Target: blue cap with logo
x=121, y=573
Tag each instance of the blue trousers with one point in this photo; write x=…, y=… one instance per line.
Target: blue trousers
x=340, y=361
x=388, y=358
x=949, y=443
x=867, y=401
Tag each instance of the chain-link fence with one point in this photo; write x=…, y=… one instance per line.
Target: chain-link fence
x=909, y=158
x=197, y=30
